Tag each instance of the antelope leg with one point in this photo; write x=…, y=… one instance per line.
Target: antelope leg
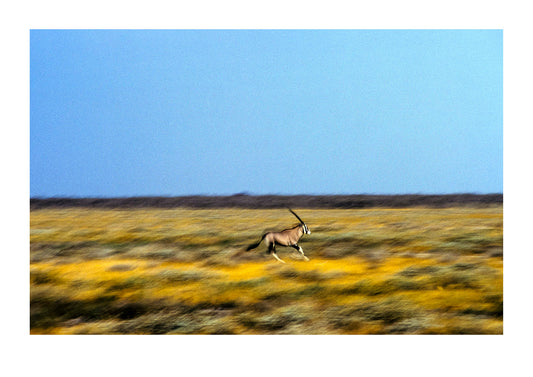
x=302, y=252
x=275, y=256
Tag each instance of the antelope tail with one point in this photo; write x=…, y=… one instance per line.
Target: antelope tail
x=254, y=245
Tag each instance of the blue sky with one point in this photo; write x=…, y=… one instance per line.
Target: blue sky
x=144, y=112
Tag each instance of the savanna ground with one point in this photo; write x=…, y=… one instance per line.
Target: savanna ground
x=413, y=270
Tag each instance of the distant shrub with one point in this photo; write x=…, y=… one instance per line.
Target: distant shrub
x=308, y=276
x=48, y=309
x=275, y=201
x=122, y=267
x=152, y=252
x=161, y=322
x=495, y=301
x=43, y=277
x=448, y=276
x=413, y=271
x=472, y=243
x=276, y=321
x=369, y=287
x=177, y=276
x=391, y=311
x=459, y=275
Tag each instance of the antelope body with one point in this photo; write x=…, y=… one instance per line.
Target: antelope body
x=287, y=237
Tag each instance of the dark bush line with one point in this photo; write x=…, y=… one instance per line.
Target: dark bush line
x=275, y=201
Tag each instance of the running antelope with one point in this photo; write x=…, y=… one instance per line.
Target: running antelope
x=287, y=237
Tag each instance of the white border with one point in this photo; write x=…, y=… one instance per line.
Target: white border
x=265, y=355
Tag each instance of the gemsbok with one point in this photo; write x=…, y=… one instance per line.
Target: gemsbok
x=287, y=237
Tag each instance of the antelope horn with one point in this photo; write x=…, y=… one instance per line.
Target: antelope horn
x=298, y=217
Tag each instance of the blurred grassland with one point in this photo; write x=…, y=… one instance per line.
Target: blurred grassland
x=185, y=271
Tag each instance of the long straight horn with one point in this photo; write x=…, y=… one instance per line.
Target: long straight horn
x=298, y=217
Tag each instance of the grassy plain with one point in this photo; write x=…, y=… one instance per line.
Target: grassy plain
x=185, y=271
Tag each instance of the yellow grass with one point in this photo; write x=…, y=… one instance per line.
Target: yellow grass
x=184, y=271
